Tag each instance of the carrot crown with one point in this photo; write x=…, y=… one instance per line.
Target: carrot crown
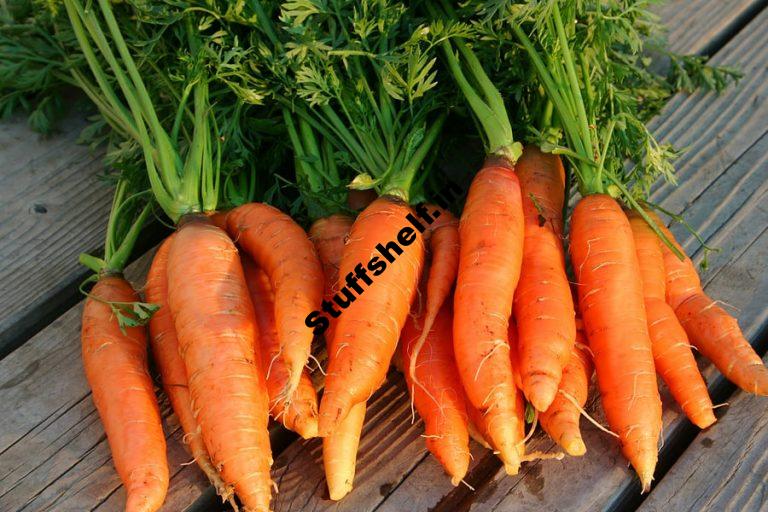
x=183, y=174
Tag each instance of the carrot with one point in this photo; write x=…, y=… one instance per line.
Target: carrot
x=443, y=238
x=215, y=326
x=543, y=302
x=714, y=332
x=610, y=294
x=366, y=332
x=672, y=353
x=300, y=414
x=115, y=363
x=440, y=398
x=170, y=365
x=561, y=420
x=491, y=238
x=329, y=234
x=281, y=248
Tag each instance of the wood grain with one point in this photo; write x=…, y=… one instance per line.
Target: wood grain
x=53, y=208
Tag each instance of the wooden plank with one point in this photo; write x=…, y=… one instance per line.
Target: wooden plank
x=700, y=26
x=729, y=461
x=53, y=451
x=54, y=207
x=415, y=481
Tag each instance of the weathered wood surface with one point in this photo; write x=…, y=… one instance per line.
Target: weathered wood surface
x=718, y=131
x=725, y=468
x=53, y=208
x=50, y=436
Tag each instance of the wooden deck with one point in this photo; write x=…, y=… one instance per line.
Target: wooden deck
x=53, y=452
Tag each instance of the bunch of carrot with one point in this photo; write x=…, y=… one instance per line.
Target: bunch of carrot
x=476, y=309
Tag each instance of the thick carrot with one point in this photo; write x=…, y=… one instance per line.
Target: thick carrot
x=561, y=420
x=714, y=332
x=115, y=365
x=215, y=326
x=170, y=365
x=329, y=234
x=282, y=249
x=543, y=302
x=367, y=330
x=613, y=310
x=491, y=237
x=440, y=398
x=300, y=414
x=443, y=239
x=672, y=353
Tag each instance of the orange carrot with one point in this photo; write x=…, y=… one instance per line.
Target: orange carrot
x=115, y=365
x=281, y=248
x=543, y=302
x=367, y=330
x=216, y=330
x=710, y=328
x=440, y=398
x=491, y=237
x=300, y=414
x=672, y=353
x=170, y=365
x=329, y=234
x=561, y=420
x=443, y=238
x=612, y=307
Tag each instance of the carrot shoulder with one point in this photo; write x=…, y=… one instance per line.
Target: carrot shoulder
x=282, y=249
x=115, y=365
x=543, y=303
x=300, y=413
x=170, y=366
x=215, y=326
x=714, y=332
x=613, y=310
x=491, y=238
x=366, y=331
x=439, y=397
x=672, y=353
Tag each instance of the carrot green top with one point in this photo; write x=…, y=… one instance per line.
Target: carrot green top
x=183, y=167
x=362, y=77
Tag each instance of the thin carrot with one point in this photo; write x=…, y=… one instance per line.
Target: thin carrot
x=215, y=326
x=115, y=363
x=543, y=303
x=714, y=332
x=491, y=237
x=672, y=353
x=611, y=302
x=561, y=420
x=443, y=239
x=366, y=332
x=514, y=351
x=170, y=366
x=439, y=398
x=281, y=248
x=329, y=234
x=300, y=414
